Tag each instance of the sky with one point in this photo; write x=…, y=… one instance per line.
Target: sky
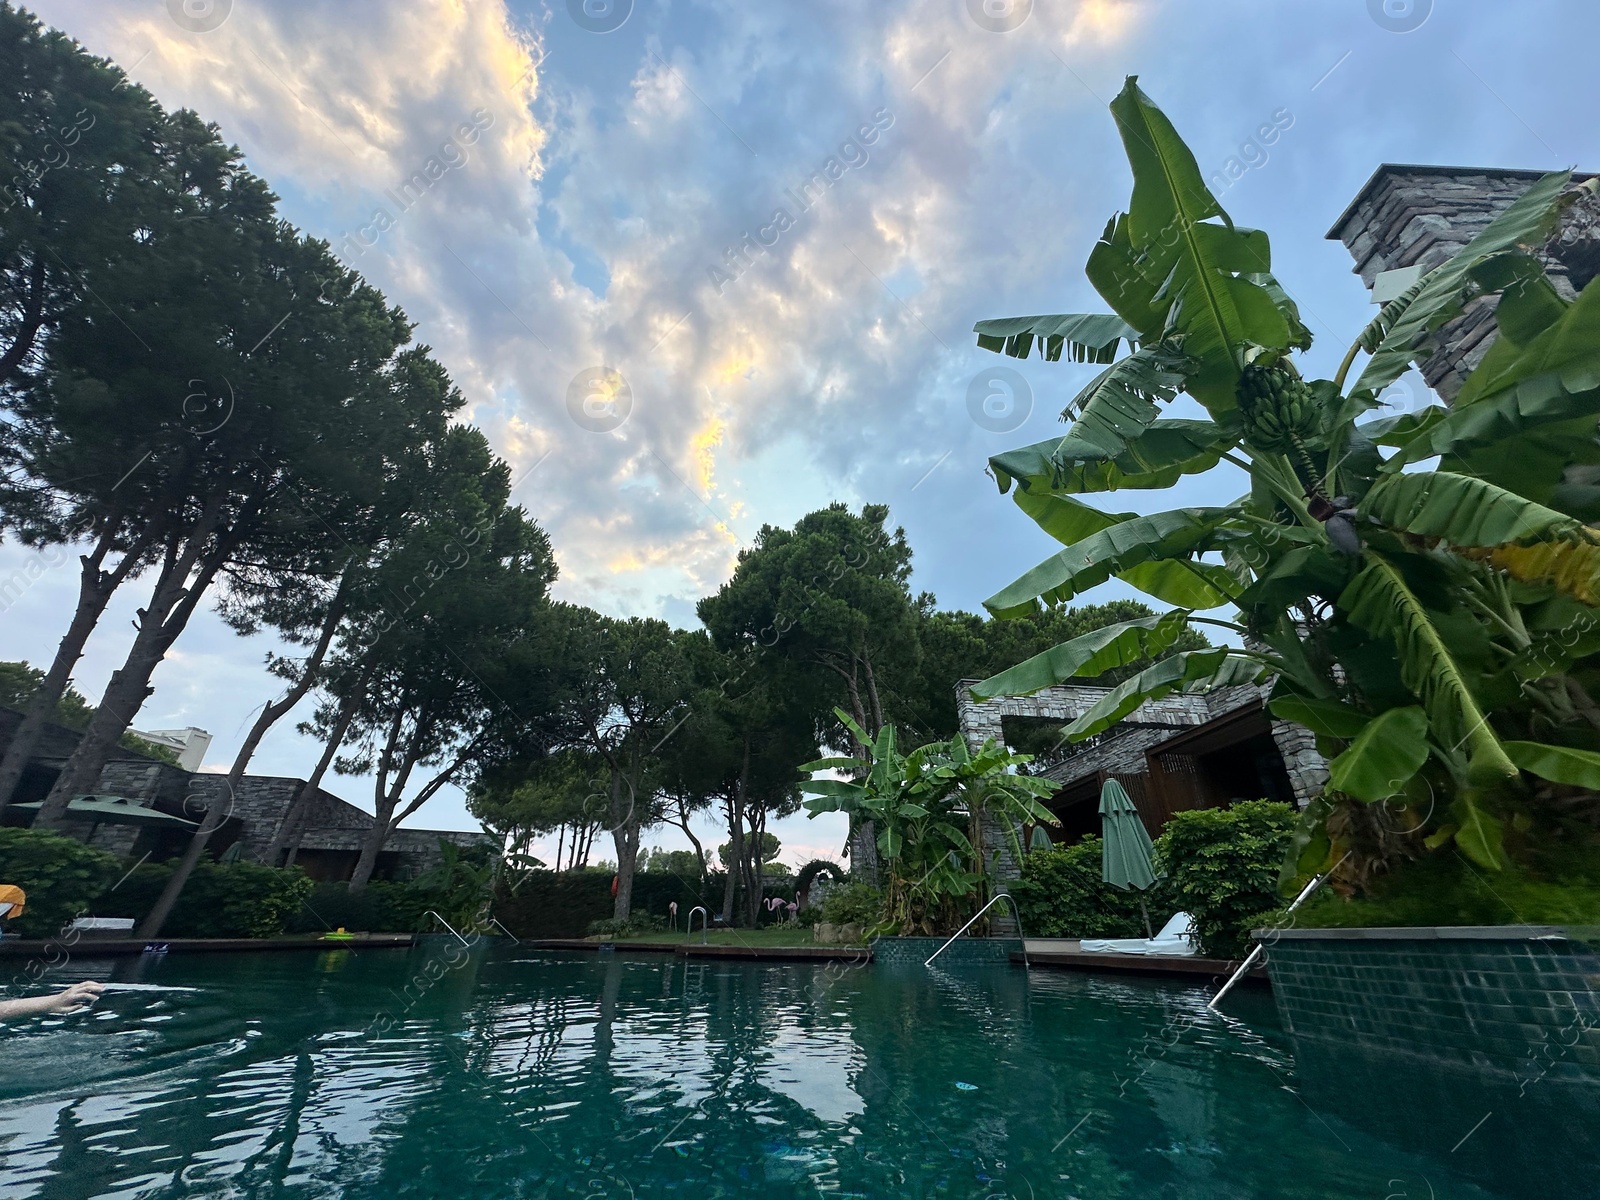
x=674, y=340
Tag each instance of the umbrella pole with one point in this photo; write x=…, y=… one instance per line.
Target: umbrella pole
x=1146, y=911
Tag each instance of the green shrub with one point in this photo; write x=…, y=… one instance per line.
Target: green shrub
x=636, y=924
x=61, y=876
x=1061, y=894
x=852, y=904
x=384, y=907
x=1560, y=887
x=234, y=900
x=1222, y=867
x=550, y=904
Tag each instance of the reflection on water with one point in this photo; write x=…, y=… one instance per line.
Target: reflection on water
x=381, y=1073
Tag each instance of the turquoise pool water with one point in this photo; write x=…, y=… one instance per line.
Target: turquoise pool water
x=515, y=1073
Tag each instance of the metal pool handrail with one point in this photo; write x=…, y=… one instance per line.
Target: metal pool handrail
x=705, y=922
x=504, y=930
x=996, y=900
x=447, y=925
x=1259, y=949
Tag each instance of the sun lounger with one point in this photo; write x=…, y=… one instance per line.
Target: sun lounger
x=1175, y=938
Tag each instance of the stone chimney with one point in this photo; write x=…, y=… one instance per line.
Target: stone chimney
x=1407, y=220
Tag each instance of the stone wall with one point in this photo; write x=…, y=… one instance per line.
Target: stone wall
x=1409, y=216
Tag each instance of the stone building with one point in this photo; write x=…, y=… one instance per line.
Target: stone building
x=328, y=844
x=1406, y=220
x=1205, y=750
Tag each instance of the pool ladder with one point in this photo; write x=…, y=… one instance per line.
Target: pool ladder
x=999, y=896
x=705, y=921
x=447, y=925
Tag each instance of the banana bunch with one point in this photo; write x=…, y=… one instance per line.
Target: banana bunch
x=1278, y=408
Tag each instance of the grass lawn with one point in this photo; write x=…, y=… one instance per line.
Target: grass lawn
x=773, y=936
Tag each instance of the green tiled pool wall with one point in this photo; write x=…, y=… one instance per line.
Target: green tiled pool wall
x=1517, y=1009
x=962, y=952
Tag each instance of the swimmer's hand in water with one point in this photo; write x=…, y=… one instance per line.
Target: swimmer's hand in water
x=72, y=999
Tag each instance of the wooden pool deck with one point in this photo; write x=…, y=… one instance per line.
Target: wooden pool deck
x=100, y=947
x=1055, y=953
x=855, y=954
x=1064, y=954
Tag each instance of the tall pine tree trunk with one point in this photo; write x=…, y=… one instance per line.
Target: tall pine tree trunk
x=186, y=573
x=95, y=589
x=221, y=805
x=294, y=817
x=625, y=838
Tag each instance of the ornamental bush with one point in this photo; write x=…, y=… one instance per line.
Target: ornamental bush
x=233, y=900
x=629, y=926
x=1061, y=894
x=852, y=904
x=61, y=876
x=1222, y=867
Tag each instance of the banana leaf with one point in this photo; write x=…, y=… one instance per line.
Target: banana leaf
x=1164, y=268
x=1380, y=601
x=1444, y=290
x=1086, y=337
x=1093, y=653
x=1156, y=458
x=1188, y=671
x=1464, y=511
x=1151, y=553
x=1388, y=751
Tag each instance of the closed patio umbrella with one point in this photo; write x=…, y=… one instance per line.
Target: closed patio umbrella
x=1125, y=848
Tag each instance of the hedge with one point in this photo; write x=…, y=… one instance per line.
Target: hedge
x=61, y=876
x=224, y=900
x=1221, y=867
x=1061, y=894
x=64, y=879
x=551, y=905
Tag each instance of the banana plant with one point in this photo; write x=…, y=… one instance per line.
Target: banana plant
x=1437, y=629
x=930, y=809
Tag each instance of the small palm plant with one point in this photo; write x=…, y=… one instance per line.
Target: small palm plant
x=1437, y=629
x=930, y=810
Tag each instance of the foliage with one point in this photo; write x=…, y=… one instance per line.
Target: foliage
x=231, y=900
x=384, y=906
x=1061, y=894
x=750, y=721
x=671, y=862
x=460, y=888
x=556, y=793
x=632, y=926
x=1222, y=868
x=19, y=682
x=426, y=675
x=928, y=808
x=831, y=597
x=769, y=843
x=961, y=645
x=1478, y=579
x=60, y=875
x=853, y=904
x=1561, y=886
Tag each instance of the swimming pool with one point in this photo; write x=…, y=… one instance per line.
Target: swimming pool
x=517, y=1073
